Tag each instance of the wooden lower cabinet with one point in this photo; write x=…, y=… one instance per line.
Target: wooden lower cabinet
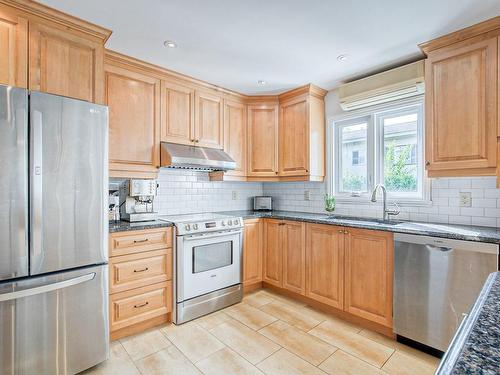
x=369, y=274
x=294, y=256
x=252, y=252
x=140, y=280
x=325, y=264
x=273, y=253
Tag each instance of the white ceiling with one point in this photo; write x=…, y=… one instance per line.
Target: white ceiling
x=235, y=43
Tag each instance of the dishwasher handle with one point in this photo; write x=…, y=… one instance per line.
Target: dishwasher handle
x=442, y=249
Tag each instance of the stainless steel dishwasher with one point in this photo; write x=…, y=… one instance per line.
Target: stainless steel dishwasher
x=436, y=282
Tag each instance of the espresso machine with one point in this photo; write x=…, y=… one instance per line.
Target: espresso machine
x=137, y=200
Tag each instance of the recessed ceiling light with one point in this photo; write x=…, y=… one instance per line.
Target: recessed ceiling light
x=262, y=82
x=342, y=58
x=170, y=44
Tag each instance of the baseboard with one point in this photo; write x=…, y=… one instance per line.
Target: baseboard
x=247, y=288
x=140, y=327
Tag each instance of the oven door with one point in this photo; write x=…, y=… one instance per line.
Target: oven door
x=207, y=262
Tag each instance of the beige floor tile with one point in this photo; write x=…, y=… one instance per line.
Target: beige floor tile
x=298, y=342
x=251, y=345
x=341, y=363
x=214, y=319
x=250, y=316
x=353, y=343
x=119, y=363
x=192, y=340
x=258, y=299
x=291, y=314
x=226, y=361
x=285, y=363
x=402, y=364
x=169, y=361
x=143, y=344
x=391, y=343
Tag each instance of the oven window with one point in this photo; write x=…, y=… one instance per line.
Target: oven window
x=212, y=256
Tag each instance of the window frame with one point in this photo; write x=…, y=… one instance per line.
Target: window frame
x=375, y=141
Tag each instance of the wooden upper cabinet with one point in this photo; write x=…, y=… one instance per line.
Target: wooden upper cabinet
x=177, y=107
x=368, y=275
x=235, y=135
x=252, y=252
x=325, y=264
x=461, y=108
x=294, y=256
x=13, y=48
x=209, y=115
x=134, y=115
x=262, y=140
x=64, y=62
x=273, y=253
x=294, y=137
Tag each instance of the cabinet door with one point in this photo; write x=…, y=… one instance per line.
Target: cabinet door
x=209, y=120
x=134, y=114
x=294, y=137
x=368, y=275
x=325, y=264
x=177, y=107
x=252, y=252
x=13, y=48
x=273, y=252
x=235, y=122
x=461, y=113
x=262, y=140
x=294, y=257
x=65, y=63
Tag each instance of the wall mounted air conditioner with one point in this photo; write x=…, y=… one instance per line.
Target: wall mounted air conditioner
x=399, y=83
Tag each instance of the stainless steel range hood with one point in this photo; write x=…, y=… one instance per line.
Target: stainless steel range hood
x=203, y=158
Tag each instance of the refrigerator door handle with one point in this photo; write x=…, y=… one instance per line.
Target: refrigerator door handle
x=36, y=185
x=47, y=288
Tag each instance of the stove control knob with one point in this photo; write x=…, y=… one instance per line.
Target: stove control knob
x=230, y=222
x=195, y=226
x=187, y=227
x=236, y=222
x=223, y=223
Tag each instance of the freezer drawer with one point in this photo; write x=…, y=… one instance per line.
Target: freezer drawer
x=56, y=324
x=436, y=281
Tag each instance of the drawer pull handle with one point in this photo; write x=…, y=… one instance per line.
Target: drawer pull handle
x=139, y=306
x=139, y=241
x=143, y=270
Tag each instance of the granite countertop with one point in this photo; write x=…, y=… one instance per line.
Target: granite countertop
x=123, y=226
x=459, y=232
x=476, y=347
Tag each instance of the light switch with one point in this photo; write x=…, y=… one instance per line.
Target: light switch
x=307, y=195
x=465, y=199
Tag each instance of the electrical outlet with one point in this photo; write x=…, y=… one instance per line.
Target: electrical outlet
x=465, y=199
x=307, y=195
x=235, y=195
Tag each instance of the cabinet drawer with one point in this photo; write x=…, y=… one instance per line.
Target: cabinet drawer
x=138, y=305
x=136, y=270
x=138, y=241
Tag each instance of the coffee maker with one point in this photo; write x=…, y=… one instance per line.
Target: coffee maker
x=136, y=200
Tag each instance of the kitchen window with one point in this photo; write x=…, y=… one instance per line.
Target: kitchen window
x=384, y=146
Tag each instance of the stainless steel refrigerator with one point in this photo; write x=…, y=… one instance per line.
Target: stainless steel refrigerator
x=53, y=233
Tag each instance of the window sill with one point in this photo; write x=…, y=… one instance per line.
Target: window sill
x=365, y=201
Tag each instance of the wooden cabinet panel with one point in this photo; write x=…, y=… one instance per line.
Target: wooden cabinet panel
x=294, y=256
x=325, y=264
x=177, y=109
x=294, y=137
x=136, y=270
x=13, y=48
x=235, y=134
x=273, y=253
x=262, y=140
x=134, y=114
x=368, y=275
x=138, y=305
x=138, y=241
x=209, y=120
x=461, y=108
x=252, y=252
x=65, y=63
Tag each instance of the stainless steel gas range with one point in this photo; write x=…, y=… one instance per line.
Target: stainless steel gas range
x=207, y=264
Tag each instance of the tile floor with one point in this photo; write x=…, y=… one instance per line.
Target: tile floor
x=266, y=334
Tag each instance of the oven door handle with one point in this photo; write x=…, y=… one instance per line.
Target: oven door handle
x=194, y=237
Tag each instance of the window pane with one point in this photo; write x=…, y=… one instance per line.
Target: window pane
x=401, y=152
x=353, y=143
